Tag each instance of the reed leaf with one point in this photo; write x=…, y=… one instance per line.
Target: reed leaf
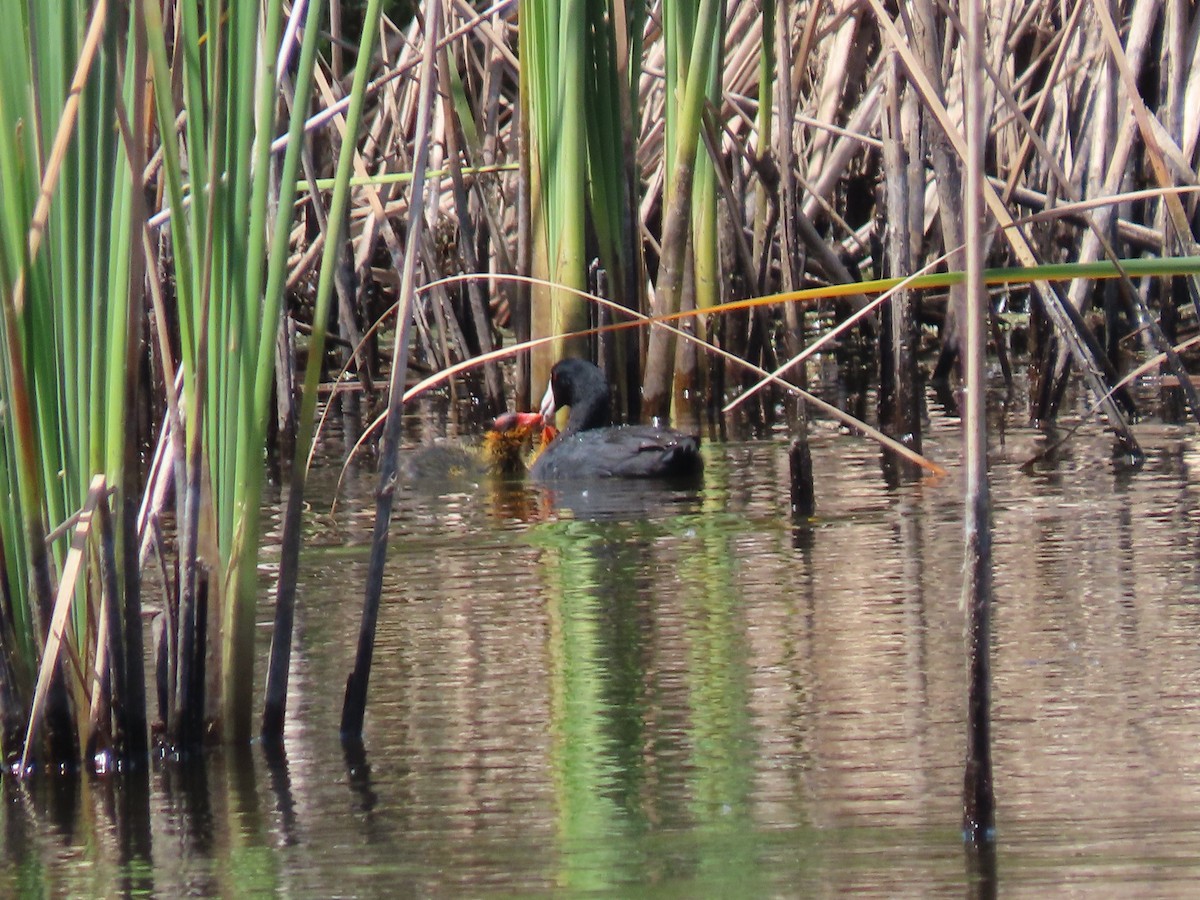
x=690, y=81
x=554, y=50
x=228, y=321
x=614, y=44
x=64, y=263
x=275, y=704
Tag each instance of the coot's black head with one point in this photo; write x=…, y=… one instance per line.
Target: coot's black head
x=580, y=385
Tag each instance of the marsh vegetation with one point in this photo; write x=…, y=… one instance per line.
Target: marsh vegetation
x=222, y=220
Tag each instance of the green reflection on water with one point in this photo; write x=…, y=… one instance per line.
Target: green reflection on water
x=614, y=666
x=592, y=830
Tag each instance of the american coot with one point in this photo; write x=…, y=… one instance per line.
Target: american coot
x=592, y=447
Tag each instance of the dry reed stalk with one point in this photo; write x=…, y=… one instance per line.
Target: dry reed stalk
x=933, y=51
x=1188, y=60
x=455, y=154
x=836, y=77
x=802, y=488
x=1065, y=318
x=1049, y=161
x=1151, y=132
x=823, y=180
x=49, y=670
x=790, y=253
x=1109, y=163
x=1060, y=46
x=743, y=38
x=1137, y=236
x=344, y=284
x=389, y=136
x=904, y=184
x=1041, y=74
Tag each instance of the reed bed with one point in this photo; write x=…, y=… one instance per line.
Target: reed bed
x=202, y=234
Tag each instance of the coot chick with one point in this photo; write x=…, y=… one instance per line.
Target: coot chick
x=506, y=447
x=592, y=447
x=509, y=445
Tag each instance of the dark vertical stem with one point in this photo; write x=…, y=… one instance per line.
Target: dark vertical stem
x=275, y=702
x=355, y=704
x=346, y=287
x=118, y=663
x=906, y=333
x=982, y=883
x=358, y=774
x=899, y=402
x=803, y=492
x=131, y=710
x=58, y=724
x=284, y=438
x=607, y=343
x=979, y=805
x=193, y=721
x=1169, y=321
x=13, y=713
x=804, y=504
x=897, y=253
x=132, y=720
x=161, y=638
x=189, y=622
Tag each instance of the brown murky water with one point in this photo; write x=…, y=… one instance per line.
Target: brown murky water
x=664, y=693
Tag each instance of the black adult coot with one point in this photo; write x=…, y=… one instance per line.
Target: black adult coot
x=592, y=447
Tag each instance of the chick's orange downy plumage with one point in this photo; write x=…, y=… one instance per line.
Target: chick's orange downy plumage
x=510, y=444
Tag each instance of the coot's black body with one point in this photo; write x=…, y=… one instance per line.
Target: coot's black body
x=592, y=447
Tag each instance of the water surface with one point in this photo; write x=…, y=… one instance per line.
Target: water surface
x=681, y=693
